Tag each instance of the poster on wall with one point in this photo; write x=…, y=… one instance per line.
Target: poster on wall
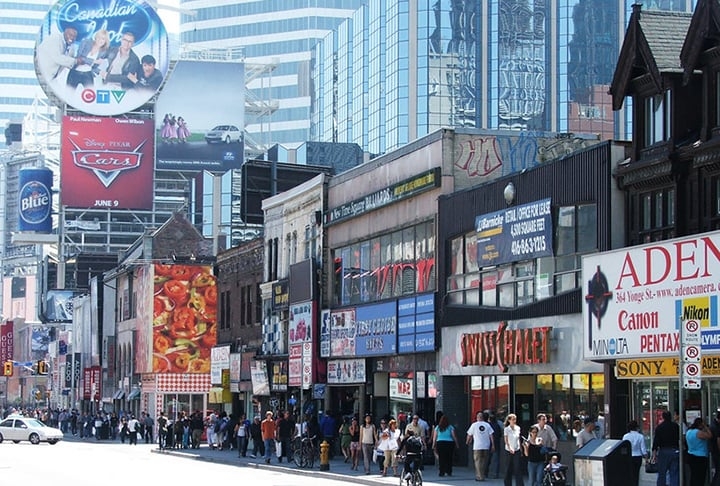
x=342, y=332
x=341, y=371
x=184, y=319
x=106, y=163
x=259, y=378
x=102, y=57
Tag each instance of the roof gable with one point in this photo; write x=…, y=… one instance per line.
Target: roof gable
x=703, y=33
x=652, y=46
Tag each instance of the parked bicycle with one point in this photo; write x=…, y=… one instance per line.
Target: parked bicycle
x=303, y=452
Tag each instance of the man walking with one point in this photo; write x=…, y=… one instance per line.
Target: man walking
x=665, y=450
x=149, y=424
x=269, y=433
x=162, y=430
x=480, y=434
x=546, y=432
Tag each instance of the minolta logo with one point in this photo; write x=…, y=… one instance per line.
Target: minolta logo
x=35, y=202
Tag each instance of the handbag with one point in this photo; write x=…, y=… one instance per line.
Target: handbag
x=651, y=467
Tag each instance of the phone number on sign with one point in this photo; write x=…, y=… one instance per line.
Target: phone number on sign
x=528, y=245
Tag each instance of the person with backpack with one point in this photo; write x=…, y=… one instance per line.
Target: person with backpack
x=412, y=448
x=133, y=428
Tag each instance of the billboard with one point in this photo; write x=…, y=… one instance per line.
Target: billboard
x=106, y=163
x=184, y=318
x=102, y=57
x=637, y=297
x=369, y=330
x=200, y=117
x=516, y=233
x=35, y=200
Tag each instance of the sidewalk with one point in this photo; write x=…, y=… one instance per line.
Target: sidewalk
x=338, y=469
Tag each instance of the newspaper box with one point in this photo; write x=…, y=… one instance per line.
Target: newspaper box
x=603, y=461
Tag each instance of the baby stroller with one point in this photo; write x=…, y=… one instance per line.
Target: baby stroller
x=555, y=474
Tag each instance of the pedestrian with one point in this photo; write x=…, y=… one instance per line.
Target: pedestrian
x=344, y=433
x=546, y=433
x=133, y=428
x=368, y=439
x=715, y=449
x=269, y=434
x=480, y=435
x=665, y=450
x=162, y=430
x=124, y=432
x=210, y=423
x=534, y=453
x=242, y=434
x=355, y=449
x=328, y=429
x=149, y=428
x=587, y=433
x=256, y=436
x=389, y=445
x=492, y=470
x=444, y=442
x=512, y=448
x=285, y=431
x=196, y=429
x=697, y=437
x=638, y=450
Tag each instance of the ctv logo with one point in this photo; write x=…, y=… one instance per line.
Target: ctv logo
x=102, y=96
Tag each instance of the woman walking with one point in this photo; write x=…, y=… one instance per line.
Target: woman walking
x=697, y=442
x=344, y=433
x=535, y=458
x=354, y=443
x=512, y=448
x=368, y=439
x=444, y=443
x=639, y=451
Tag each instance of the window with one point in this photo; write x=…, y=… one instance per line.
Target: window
x=524, y=282
x=657, y=215
x=657, y=118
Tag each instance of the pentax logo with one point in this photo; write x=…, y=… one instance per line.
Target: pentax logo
x=107, y=165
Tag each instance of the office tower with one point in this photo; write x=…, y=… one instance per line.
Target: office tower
x=270, y=33
x=398, y=70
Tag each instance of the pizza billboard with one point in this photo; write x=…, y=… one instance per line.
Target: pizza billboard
x=106, y=163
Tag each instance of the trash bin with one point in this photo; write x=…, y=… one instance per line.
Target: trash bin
x=603, y=461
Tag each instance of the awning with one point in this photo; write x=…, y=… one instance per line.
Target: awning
x=215, y=393
x=134, y=394
x=118, y=395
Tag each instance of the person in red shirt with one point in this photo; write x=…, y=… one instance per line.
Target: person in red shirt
x=269, y=434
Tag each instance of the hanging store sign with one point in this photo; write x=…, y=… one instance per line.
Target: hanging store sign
x=662, y=367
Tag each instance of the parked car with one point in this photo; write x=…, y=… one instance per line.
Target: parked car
x=17, y=428
x=224, y=134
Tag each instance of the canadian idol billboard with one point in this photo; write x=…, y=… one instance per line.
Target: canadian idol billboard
x=106, y=163
x=102, y=57
x=35, y=200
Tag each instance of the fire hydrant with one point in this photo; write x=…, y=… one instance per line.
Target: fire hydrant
x=324, y=456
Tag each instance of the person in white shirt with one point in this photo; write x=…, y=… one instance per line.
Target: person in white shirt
x=512, y=447
x=639, y=450
x=480, y=434
x=133, y=427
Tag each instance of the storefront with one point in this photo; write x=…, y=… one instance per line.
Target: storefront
x=523, y=367
x=637, y=301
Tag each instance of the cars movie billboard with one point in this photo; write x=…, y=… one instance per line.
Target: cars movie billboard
x=199, y=117
x=184, y=318
x=106, y=163
x=636, y=298
x=102, y=57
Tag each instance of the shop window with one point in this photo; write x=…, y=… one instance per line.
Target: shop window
x=568, y=399
x=490, y=393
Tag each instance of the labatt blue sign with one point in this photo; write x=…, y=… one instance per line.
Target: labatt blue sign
x=35, y=200
x=102, y=57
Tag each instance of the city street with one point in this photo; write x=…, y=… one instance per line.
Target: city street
x=84, y=463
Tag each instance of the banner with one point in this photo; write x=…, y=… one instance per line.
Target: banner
x=35, y=200
x=106, y=163
x=102, y=57
x=259, y=377
x=517, y=233
x=6, y=341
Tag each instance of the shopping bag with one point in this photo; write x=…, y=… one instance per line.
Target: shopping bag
x=651, y=467
x=278, y=449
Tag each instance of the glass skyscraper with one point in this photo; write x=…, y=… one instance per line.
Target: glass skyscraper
x=420, y=65
x=270, y=32
x=19, y=26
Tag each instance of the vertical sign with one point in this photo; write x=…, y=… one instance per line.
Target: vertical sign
x=6, y=341
x=690, y=353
